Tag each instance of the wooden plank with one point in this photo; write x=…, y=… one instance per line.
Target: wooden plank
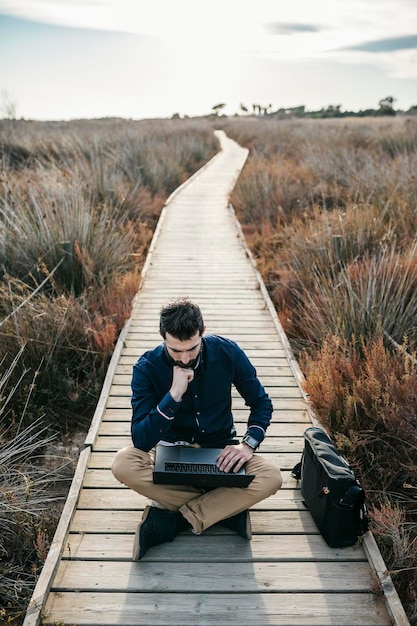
x=118, y=427
x=150, y=306
x=285, y=499
x=284, y=404
x=263, y=522
x=279, y=444
x=131, y=359
x=253, y=353
x=146, y=340
x=131, y=609
x=252, y=308
x=269, y=382
x=239, y=415
x=291, y=522
x=284, y=460
x=273, y=368
x=214, y=577
x=219, y=300
x=103, y=478
x=210, y=547
x=259, y=322
x=275, y=393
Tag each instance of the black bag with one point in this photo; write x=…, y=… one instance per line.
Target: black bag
x=330, y=491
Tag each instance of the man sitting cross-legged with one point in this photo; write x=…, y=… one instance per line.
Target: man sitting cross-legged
x=181, y=394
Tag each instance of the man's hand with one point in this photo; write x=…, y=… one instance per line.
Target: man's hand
x=180, y=381
x=232, y=458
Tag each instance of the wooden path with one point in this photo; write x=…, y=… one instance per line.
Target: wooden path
x=286, y=575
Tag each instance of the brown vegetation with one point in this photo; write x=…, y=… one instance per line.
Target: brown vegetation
x=329, y=208
x=78, y=205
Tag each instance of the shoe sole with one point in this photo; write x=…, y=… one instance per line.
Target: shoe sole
x=136, y=541
x=248, y=528
x=244, y=533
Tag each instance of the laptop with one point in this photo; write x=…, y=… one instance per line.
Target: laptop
x=197, y=467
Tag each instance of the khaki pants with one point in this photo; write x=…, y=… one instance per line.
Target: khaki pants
x=201, y=509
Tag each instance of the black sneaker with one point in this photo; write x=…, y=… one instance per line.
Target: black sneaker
x=240, y=524
x=157, y=526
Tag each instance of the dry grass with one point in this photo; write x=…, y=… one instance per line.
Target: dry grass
x=31, y=496
x=330, y=210
x=78, y=205
x=367, y=397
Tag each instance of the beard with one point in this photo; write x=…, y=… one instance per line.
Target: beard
x=191, y=365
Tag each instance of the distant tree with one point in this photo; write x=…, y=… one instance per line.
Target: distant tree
x=258, y=109
x=386, y=106
x=299, y=111
x=280, y=113
x=243, y=108
x=334, y=110
x=218, y=107
x=264, y=110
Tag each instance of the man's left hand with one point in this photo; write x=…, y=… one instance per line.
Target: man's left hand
x=232, y=458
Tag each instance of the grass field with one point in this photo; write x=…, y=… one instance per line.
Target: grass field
x=329, y=209
x=79, y=202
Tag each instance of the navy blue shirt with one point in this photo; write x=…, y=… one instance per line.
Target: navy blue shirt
x=204, y=415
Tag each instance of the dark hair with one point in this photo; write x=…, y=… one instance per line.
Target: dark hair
x=181, y=319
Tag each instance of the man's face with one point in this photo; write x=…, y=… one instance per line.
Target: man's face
x=184, y=353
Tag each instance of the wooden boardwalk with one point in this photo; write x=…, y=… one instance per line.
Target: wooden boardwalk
x=286, y=575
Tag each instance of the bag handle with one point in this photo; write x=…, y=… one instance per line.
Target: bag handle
x=352, y=496
x=296, y=471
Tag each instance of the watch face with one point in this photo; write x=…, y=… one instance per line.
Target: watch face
x=251, y=441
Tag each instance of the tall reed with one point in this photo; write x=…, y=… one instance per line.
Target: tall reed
x=30, y=497
x=78, y=205
x=330, y=212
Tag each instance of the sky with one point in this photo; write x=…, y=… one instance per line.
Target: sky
x=69, y=59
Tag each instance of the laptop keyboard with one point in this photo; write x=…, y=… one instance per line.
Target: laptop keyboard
x=192, y=468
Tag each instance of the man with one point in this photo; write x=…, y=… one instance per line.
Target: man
x=181, y=394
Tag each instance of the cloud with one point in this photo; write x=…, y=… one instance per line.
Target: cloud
x=289, y=28
x=390, y=44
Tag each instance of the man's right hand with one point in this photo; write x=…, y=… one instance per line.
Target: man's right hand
x=180, y=381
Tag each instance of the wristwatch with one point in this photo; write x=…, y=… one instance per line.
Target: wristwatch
x=250, y=441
